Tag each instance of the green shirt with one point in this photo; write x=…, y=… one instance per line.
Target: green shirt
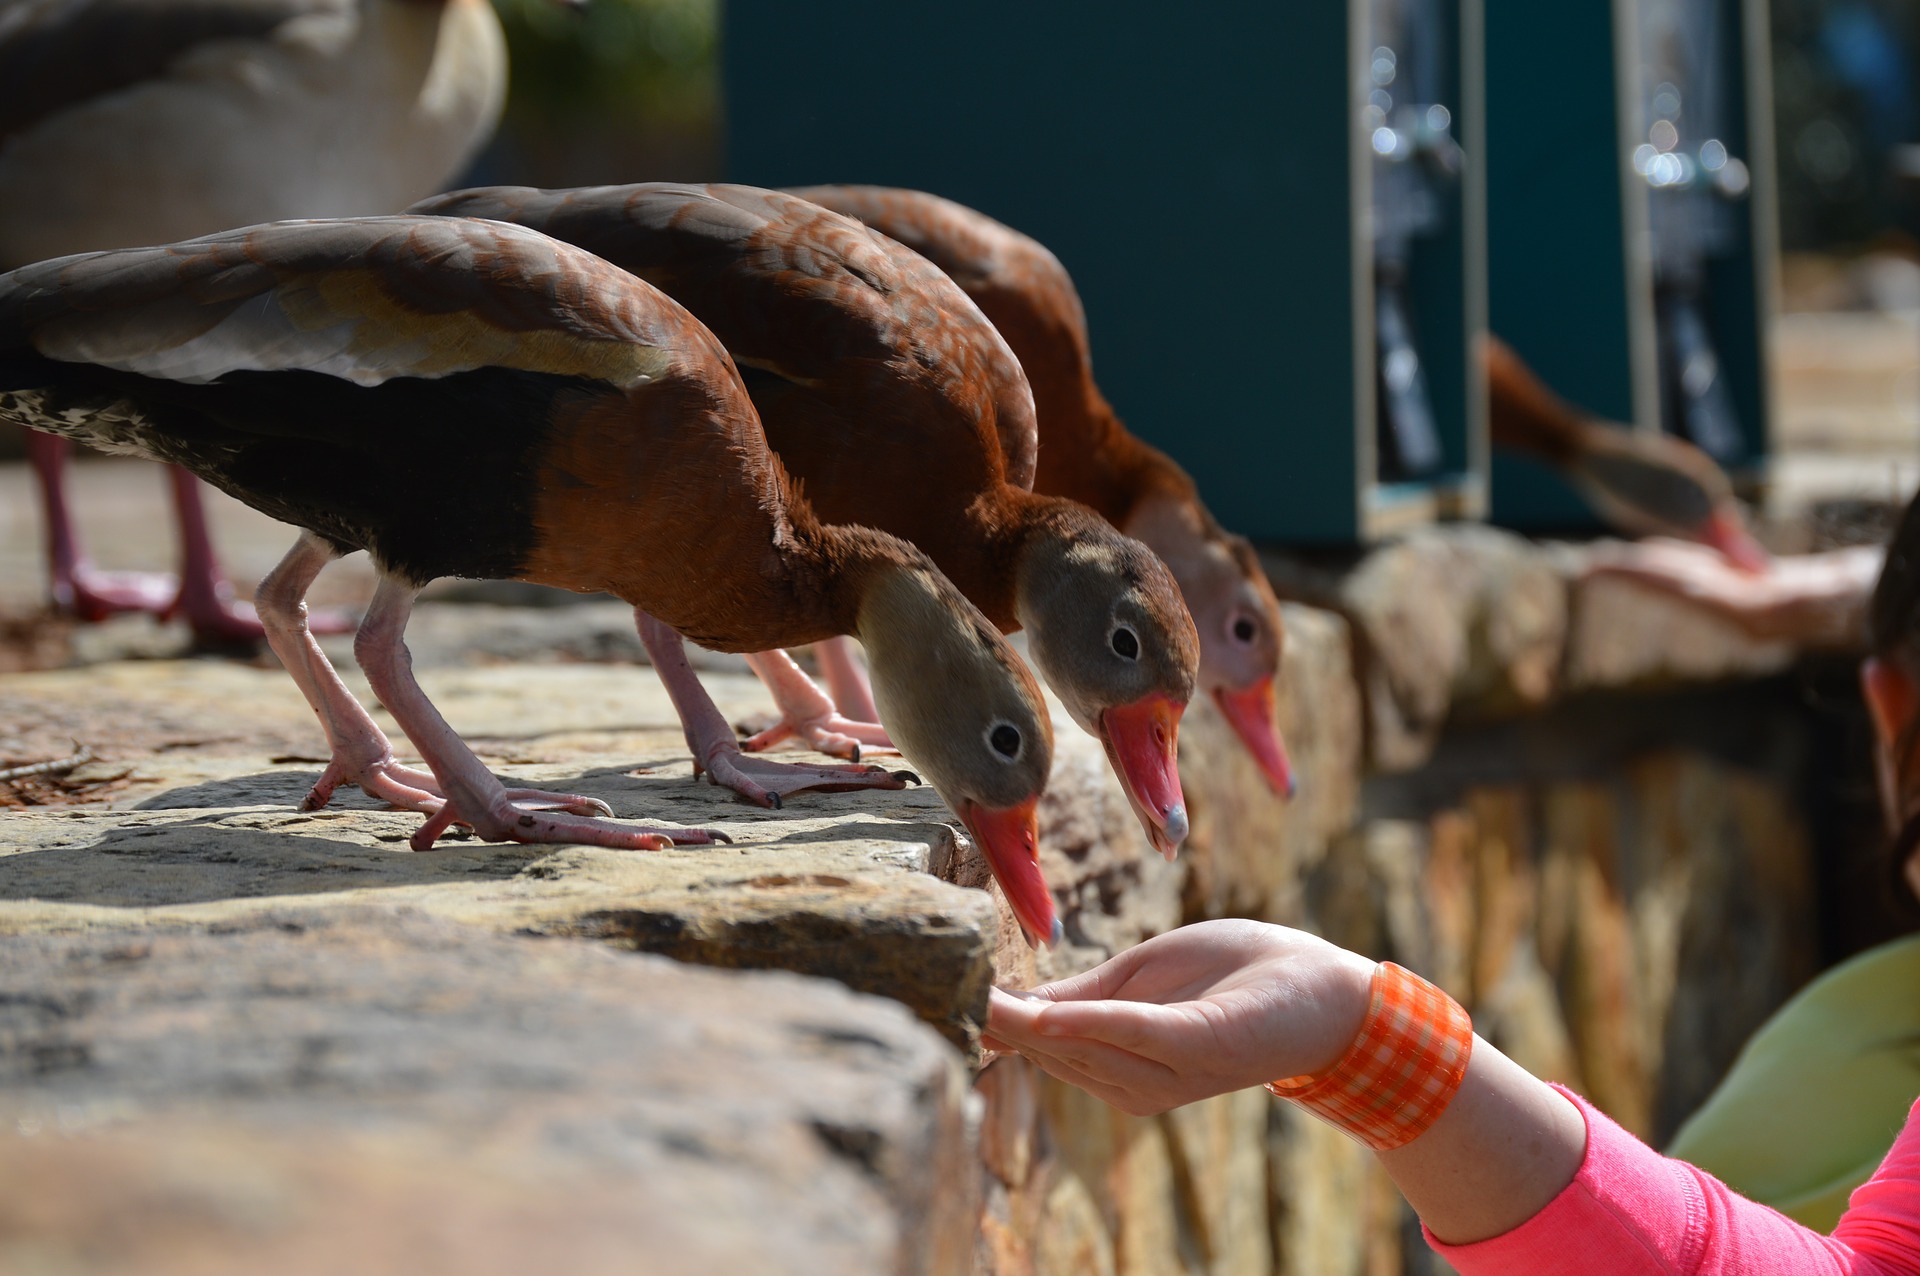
x=1815, y=1099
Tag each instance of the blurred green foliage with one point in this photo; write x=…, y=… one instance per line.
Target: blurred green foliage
x=610, y=60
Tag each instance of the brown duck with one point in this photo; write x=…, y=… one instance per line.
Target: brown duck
x=891, y=398
x=471, y=399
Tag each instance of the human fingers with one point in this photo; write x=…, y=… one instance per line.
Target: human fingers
x=1012, y=1018
x=1179, y=965
x=1165, y=1034
x=1120, y=1068
x=1103, y=981
x=1061, y=1070
x=1110, y=1079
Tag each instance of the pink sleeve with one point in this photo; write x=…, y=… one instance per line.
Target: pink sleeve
x=1882, y=1221
x=1632, y=1211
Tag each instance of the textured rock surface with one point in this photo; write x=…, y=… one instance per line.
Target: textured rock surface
x=835, y=885
x=1249, y=849
x=1625, y=635
x=375, y=1090
x=1584, y=867
x=1456, y=613
x=1466, y=622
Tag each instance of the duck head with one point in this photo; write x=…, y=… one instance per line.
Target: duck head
x=961, y=705
x=1106, y=625
x=1237, y=618
x=1658, y=485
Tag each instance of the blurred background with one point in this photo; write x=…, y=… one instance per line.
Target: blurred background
x=1696, y=217
x=1070, y=128
x=613, y=91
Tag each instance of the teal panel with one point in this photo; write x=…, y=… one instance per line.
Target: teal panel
x=1557, y=278
x=1446, y=279
x=1740, y=308
x=1190, y=167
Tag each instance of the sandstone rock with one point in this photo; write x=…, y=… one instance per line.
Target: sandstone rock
x=1125, y=1165
x=380, y=1090
x=1249, y=847
x=1071, y=1239
x=1590, y=926
x=1322, y=1180
x=1112, y=887
x=1220, y=1153
x=836, y=884
x=1451, y=614
x=1585, y=905
x=1626, y=635
x=903, y=936
x=1522, y=1016
x=1010, y=1114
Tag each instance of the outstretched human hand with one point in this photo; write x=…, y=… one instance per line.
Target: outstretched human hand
x=1196, y=1012
x=1810, y=599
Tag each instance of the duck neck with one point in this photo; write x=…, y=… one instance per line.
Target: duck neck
x=827, y=571
x=1031, y=544
x=1177, y=529
x=1087, y=455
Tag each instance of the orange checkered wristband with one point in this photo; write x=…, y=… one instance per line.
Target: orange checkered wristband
x=1401, y=1071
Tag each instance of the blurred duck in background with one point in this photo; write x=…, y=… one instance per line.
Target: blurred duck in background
x=1641, y=483
x=133, y=122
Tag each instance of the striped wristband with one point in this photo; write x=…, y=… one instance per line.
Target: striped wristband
x=1401, y=1071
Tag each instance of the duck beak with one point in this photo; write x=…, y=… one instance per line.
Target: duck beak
x=1727, y=532
x=1010, y=839
x=1249, y=711
x=1142, y=741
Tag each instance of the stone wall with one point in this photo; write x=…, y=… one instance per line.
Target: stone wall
x=1580, y=809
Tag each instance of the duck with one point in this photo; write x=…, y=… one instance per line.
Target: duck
x=473, y=399
x=1086, y=453
x=897, y=405
x=1639, y=482
x=128, y=123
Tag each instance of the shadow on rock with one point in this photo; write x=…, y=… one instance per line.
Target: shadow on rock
x=281, y=789
x=202, y=860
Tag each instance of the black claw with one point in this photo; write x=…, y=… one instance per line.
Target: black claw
x=908, y=776
x=715, y=835
x=773, y=801
x=856, y=752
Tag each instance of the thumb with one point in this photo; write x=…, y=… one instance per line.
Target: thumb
x=1142, y=1027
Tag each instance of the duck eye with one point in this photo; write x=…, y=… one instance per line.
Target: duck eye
x=1243, y=629
x=1005, y=739
x=1125, y=642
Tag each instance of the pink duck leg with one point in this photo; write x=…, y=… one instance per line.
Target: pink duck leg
x=76, y=587
x=363, y=755
x=205, y=599
x=200, y=593
x=846, y=675
x=716, y=752
x=808, y=714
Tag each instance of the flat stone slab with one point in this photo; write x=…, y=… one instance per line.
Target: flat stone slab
x=375, y=1089
x=213, y=758
x=206, y=830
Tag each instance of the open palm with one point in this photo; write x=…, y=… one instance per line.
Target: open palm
x=1198, y=1011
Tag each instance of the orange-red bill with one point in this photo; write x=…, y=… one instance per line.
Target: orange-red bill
x=1727, y=532
x=1010, y=839
x=1249, y=711
x=1142, y=742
